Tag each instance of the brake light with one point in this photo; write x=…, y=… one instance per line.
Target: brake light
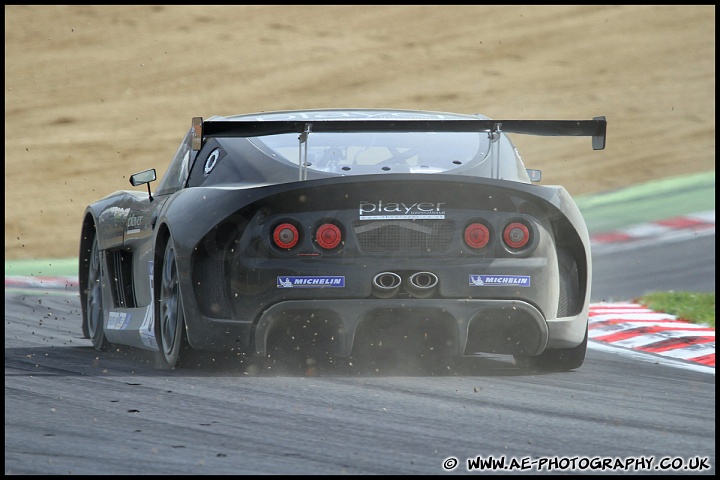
x=477, y=235
x=516, y=235
x=328, y=236
x=286, y=235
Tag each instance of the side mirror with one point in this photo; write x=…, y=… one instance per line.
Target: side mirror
x=142, y=178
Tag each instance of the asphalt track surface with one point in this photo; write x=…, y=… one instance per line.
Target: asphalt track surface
x=676, y=259
x=72, y=410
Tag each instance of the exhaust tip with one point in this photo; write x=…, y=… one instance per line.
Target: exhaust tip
x=386, y=284
x=422, y=284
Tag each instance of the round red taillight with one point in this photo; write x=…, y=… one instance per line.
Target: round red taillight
x=328, y=236
x=286, y=235
x=477, y=235
x=516, y=235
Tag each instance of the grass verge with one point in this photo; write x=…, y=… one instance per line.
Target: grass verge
x=693, y=307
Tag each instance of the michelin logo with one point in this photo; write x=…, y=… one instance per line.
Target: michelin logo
x=118, y=320
x=499, y=280
x=310, y=282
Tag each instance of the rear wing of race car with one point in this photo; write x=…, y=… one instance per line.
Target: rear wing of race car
x=595, y=128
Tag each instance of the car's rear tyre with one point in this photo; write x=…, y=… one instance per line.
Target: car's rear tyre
x=170, y=334
x=94, y=325
x=563, y=359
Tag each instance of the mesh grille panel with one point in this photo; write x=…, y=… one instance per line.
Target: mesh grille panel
x=404, y=236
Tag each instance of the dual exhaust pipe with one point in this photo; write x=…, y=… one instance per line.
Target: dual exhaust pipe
x=419, y=284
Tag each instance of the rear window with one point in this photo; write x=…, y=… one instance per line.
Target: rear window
x=367, y=153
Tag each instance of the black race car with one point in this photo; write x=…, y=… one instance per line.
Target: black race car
x=340, y=231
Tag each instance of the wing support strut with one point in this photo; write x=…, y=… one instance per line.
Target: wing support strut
x=302, y=162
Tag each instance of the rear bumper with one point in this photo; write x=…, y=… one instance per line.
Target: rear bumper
x=510, y=327
x=497, y=326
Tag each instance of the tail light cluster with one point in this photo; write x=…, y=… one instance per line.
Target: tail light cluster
x=515, y=235
x=327, y=235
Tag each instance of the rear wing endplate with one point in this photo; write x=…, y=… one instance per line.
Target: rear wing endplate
x=595, y=128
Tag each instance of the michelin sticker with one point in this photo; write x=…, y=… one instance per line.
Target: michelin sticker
x=311, y=282
x=499, y=281
x=118, y=320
